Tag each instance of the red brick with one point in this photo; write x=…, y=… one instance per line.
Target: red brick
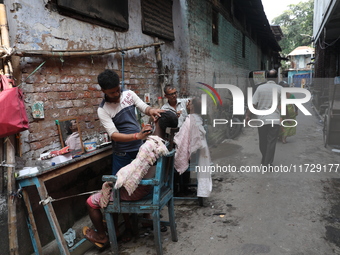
x=34, y=127
x=68, y=95
x=51, y=125
x=85, y=79
x=47, y=105
x=52, y=79
x=96, y=101
x=79, y=103
x=67, y=79
x=36, y=79
x=87, y=94
x=86, y=110
x=35, y=146
x=63, y=104
x=94, y=87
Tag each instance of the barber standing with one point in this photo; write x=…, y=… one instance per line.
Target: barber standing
x=117, y=114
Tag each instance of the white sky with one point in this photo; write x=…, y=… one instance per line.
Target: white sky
x=274, y=8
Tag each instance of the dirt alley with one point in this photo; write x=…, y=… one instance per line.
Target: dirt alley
x=296, y=213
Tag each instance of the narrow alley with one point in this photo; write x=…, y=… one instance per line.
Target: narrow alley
x=83, y=81
x=254, y=213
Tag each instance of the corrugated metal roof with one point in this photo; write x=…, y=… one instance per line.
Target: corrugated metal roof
x=302, y=50
x=277, y=32
x=256, y=15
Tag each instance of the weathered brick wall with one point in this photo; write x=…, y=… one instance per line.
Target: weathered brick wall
x=70, y=88
x=218, y=64
x=223, y=61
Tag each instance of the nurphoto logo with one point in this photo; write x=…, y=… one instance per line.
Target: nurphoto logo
x=239, y=102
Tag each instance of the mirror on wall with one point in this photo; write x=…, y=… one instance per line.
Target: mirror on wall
x=70, y=134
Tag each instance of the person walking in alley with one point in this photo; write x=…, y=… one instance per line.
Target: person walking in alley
x=269, y=131
x=117, y=115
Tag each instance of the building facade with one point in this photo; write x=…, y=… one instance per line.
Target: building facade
x=326, y=33
x=300, y=73
x=59, y=47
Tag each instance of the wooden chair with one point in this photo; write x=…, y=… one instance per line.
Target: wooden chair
x=162, y=195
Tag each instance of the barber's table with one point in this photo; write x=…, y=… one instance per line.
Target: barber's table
x=38, y=179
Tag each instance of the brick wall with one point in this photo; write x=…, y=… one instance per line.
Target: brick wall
x=221, y=63
x=70, y=88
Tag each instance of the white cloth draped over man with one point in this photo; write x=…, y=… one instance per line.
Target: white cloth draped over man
x=191, y=138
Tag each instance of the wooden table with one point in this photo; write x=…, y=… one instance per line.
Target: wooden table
x=38, y=180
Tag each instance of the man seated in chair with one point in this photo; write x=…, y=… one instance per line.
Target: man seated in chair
x=95, y=202
x=191, y=139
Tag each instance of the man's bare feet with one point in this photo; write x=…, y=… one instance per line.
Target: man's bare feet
x=94, y=237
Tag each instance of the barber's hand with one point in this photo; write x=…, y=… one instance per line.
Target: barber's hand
x=145, y=132
x=155, y=113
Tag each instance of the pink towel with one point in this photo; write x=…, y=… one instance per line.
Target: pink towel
x=188, y=140
x=130, y=175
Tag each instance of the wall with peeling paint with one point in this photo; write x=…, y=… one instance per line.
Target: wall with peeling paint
x=222, y=63
x=68, y=85
x=34, y=27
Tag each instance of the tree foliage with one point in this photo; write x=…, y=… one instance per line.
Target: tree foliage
x=297, y=26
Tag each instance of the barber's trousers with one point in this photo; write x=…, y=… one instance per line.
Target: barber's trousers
x=268, y=135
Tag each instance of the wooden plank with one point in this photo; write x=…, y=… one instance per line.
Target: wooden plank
x=52, y=218
x=69, y=167
x=39, y=181
x=10, y=149
x=46, y=171
x=32, y=223
x=12, y=202
x=43, y=53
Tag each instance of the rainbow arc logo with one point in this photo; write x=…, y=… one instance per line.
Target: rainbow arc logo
x=210, y=94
